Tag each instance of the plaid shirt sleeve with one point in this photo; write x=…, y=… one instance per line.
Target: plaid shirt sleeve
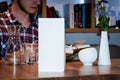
x=3, y=43
x=3, y=35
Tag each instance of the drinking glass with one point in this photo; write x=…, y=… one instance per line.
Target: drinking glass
x=15, y=49
x=31, y=52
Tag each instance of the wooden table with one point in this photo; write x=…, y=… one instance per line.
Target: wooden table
x=73, y=71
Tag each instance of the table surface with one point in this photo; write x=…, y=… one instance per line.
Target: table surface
x=73, y=71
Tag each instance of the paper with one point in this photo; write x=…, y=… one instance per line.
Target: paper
x=51, y=45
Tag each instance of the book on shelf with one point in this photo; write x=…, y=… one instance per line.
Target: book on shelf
x=49, y=13
x=69, y=15
x=78, y=15
x=86, y=15
x=54, y=13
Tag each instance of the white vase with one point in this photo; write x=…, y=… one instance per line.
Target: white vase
x=88, y=55
x=104, y=54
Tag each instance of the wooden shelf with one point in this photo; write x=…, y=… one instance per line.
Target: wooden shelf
x=115, y=30
x=88, y=30
x=77, y=30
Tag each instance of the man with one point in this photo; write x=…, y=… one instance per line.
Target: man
x=20, y=15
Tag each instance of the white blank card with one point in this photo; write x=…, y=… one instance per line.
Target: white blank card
x=51, y=45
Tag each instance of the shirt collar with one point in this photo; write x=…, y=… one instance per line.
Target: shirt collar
x=11, y=16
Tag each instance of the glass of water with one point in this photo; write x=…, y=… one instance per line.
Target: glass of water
x=15, y=49
x=31, y=52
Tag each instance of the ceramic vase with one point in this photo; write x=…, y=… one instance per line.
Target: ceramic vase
x=104, y=54
x=88, y=55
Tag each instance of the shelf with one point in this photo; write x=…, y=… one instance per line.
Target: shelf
x=115, y=30
x=88, y=30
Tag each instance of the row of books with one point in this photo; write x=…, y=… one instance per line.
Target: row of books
x=52, y=12
x=77, y=15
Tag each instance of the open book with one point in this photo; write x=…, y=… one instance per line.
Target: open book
x=75, y=47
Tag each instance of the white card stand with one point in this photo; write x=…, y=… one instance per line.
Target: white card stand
x=51, y=56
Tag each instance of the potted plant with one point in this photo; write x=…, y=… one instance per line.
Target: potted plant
x=104, y=54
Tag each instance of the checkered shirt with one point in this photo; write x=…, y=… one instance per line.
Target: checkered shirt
x=28, y=35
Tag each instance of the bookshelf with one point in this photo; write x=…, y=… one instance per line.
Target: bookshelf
x=92, y=28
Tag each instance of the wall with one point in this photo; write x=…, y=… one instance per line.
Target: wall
x=90, y=38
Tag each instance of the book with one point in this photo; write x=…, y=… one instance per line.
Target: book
x=49, y=13
x=69, y=15
x=76, y=46
x=86, y=15
x=68, y=49
x=53, y=10
x=77, y=16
